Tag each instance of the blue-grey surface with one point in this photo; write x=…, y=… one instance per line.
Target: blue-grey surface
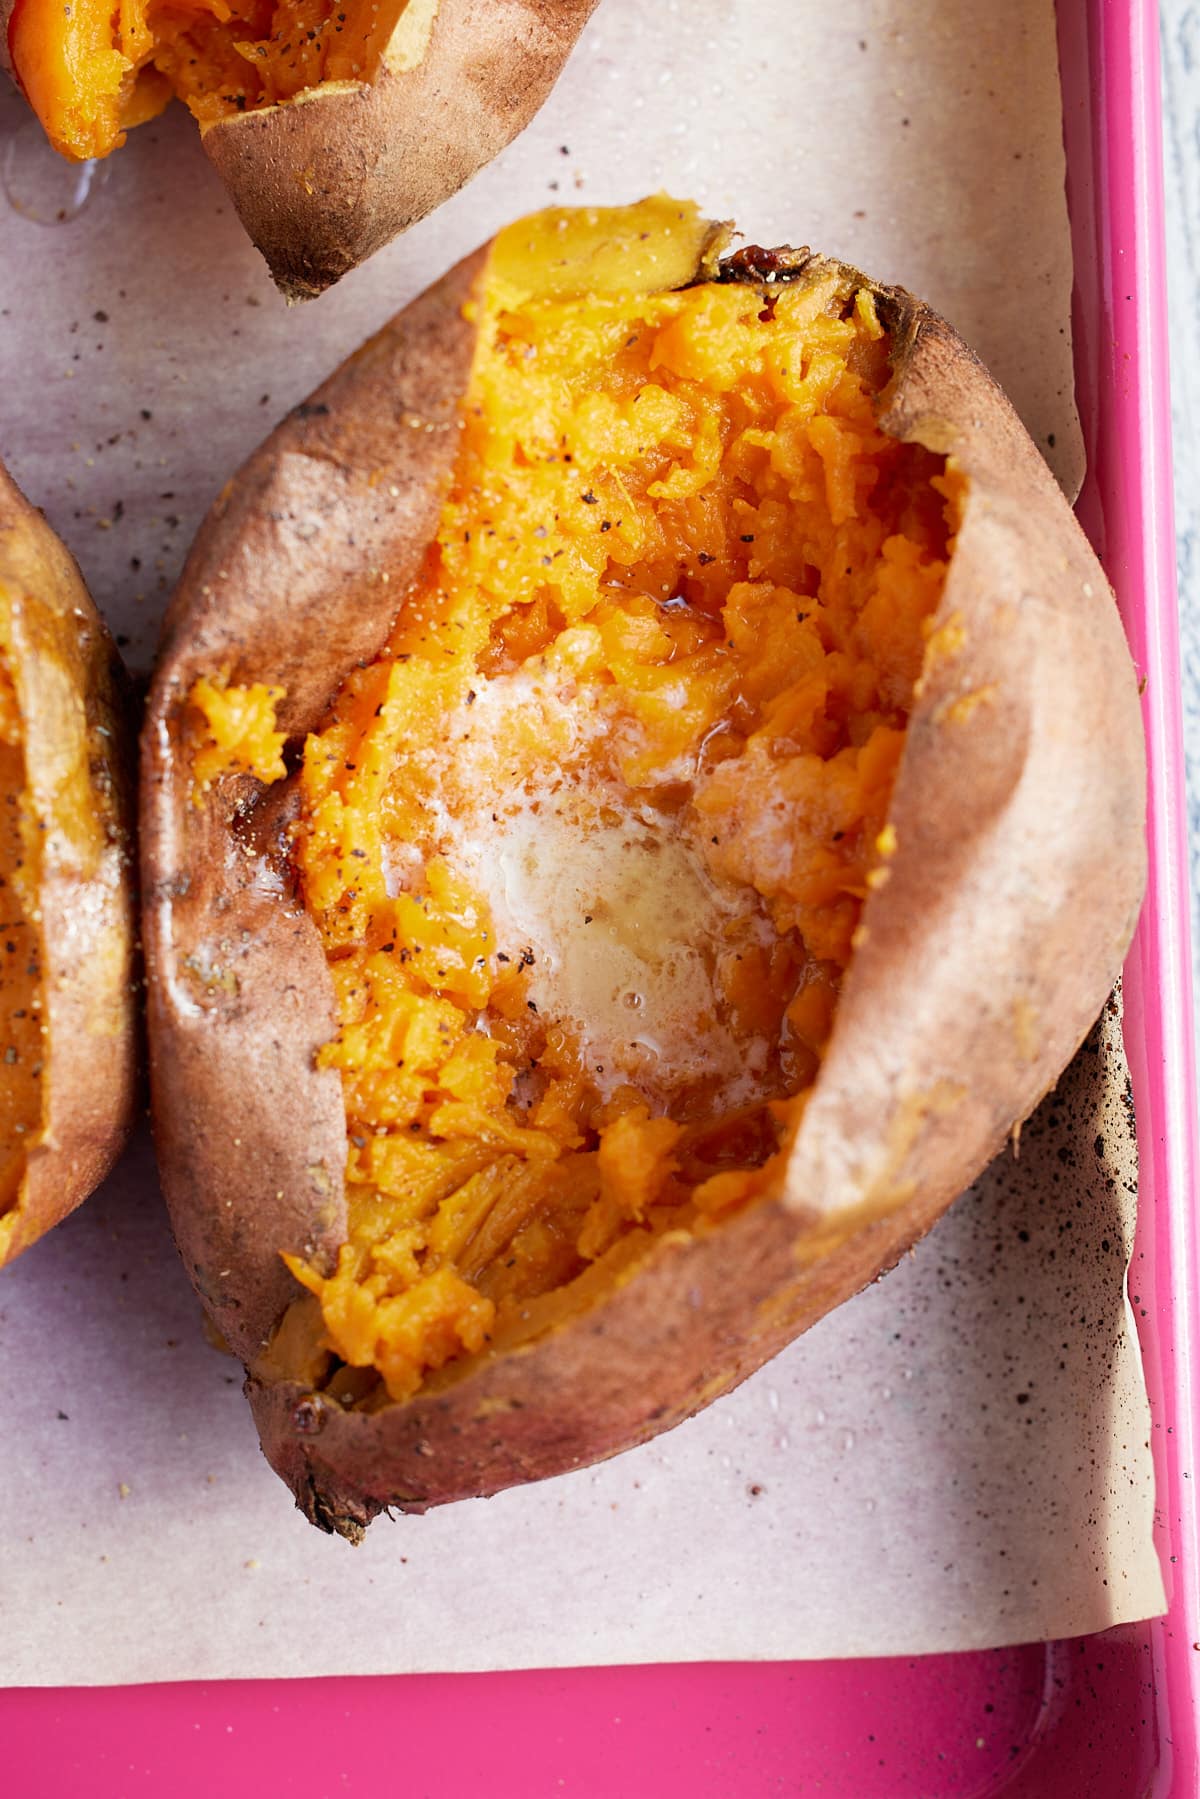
x=1181, y=96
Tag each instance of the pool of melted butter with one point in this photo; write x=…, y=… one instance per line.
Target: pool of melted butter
x=606, y=891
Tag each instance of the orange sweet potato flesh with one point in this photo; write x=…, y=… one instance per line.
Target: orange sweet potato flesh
x=335, y=124
x=985, y=908
x=586, y=845
x=90, y=72
x=68, y=1029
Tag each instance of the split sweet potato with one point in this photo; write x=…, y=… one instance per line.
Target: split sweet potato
x=68, y=997
x=334, y=124
x=642, y=793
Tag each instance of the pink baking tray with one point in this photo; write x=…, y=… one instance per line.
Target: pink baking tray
x=1112, y=1716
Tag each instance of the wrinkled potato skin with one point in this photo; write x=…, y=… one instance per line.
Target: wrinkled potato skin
x=321, y=185
x=982, y=963
x=74, y=709
x=348, y=489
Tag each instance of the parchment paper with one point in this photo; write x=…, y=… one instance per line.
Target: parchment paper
x=958, y=1457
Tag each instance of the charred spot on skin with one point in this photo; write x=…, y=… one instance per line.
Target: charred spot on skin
x=309, y=1416
x=756, y=263
x=330, y=1514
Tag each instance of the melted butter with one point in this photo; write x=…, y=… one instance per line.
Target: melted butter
x=623, y=920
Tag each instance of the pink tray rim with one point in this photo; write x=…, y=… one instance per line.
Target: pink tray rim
x=1138, y=543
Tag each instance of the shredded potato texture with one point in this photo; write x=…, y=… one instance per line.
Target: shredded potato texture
x=588, y=845
x=93, y=71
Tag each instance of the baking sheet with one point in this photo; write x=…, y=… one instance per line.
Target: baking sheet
x=920, y=1472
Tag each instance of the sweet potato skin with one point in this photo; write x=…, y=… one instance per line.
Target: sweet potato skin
x=338, y=504
x=75, y=715
x=981, y=964
x=322, y=181
x=322, y=184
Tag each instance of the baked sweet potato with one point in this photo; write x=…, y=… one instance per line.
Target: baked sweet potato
x=643, y=791
x=334, y=127
x=68, y=1004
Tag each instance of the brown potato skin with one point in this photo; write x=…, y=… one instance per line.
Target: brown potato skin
x=982, y=961
x=321, y=185
x=74, y=706
x=346, y=491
